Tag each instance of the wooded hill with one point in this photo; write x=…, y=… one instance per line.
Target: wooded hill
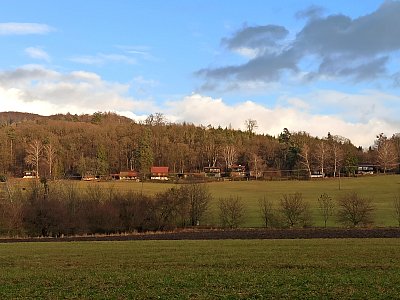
x=61, y=146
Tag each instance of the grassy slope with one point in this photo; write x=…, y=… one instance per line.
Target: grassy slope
x=381, y=189
x=232, y=269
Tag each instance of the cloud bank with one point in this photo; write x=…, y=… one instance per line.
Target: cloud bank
x=206, y=110
x=343, y=48
x=40, y=90
x=36, y=89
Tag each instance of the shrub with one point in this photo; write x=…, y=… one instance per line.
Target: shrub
x=231, y=211
x=266, y=211
x=295, y=210
x=326, y=206
x=355, y=210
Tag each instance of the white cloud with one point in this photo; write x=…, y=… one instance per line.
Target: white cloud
x=248, y=52
x=37, y=53
x=143, y=52
x=298, y=103
x=12, y=100
x=24, y=28
x=44, y=91
x=101, y=59
x=358, y=107
x=206, y=110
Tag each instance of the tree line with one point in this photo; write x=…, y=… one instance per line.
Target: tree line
x=63, y=208
x=64, y=146
x=66, y=209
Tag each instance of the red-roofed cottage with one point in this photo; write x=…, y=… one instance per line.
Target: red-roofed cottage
x=159, y=173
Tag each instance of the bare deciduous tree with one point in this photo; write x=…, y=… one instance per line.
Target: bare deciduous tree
x=199, y=198
x=355, y=210
x=256, y=165
x=386, y=153
x=231, y=211
x=158, y=119
x=34, y=152
x=306, y=158
x=211, y=150
x=321, y=155
x=251, y=125
x=295, y=210
x=396, y=205
x=326, y=206
x=337, y=157
x=50, y=156
x=266, y=211
x=229, y=155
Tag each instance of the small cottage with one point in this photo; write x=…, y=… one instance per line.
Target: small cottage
x=29, y=174
x=159, y=173
x=212, y=172
x=237, y=171
x=125, y=175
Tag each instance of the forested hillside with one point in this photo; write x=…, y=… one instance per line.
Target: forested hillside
x=60, y=146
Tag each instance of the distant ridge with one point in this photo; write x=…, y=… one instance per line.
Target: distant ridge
x=12, y=117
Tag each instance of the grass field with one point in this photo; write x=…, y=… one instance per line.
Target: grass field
x=230, y=269
x=380, y=189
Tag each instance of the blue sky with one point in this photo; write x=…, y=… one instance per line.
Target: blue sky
x=306, y=65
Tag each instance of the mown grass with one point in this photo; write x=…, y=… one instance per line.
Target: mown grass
x=380, y=189
x=231, y=269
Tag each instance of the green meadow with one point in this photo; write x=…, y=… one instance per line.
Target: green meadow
x=230, y=269
x=218, y=269
x=380, y=189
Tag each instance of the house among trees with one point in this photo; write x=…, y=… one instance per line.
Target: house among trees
x=212, y=172
x=71, y=146
x=159, y=173
x=125, y=175
x=317, y=174
x=89, y=177
x=237, y=171
x=29, y=174
x=366, y=170
x=255, y=174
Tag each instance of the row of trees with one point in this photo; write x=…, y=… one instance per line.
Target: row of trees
x=104, y=143
x=352, y=210
x=66, y=209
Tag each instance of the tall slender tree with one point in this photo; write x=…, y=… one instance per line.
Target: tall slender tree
x=34, y=153
x=386, y=153
x=49, y=156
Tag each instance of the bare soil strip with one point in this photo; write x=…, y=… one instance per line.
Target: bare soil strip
x=236, y=234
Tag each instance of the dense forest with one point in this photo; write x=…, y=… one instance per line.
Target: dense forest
x=64, y=146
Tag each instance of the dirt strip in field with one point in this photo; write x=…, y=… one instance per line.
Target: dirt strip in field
x=218, y=234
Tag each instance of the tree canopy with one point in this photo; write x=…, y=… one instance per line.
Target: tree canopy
x=106, y=143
